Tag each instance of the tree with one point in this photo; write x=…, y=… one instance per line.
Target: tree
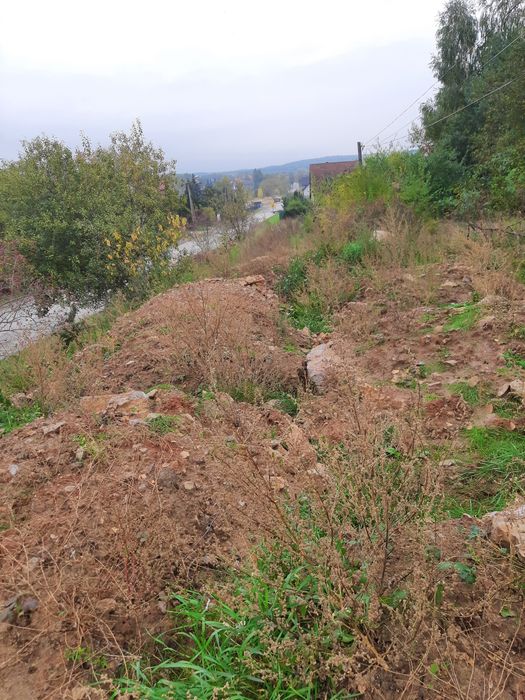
x=474, y=126
x=205, y=234
x=94, y=220
x=257, y=177
x=196, y=191
x=230, y=200
x=275, y=185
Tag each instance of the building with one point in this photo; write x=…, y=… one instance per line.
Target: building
x=323, y=172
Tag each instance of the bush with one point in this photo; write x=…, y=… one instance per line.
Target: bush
x=296, y=205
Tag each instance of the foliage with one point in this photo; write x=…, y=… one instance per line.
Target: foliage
x=292, y=279
x=319, y=282
x=290, y=625
x=478, y=51
x=253, y=646
x=471, y=145
x=309, y=315
x=257, y=177
x=498, y=477
x=296, y=205
x=229, y=200
x=93, y=220
x=274, y=185
x=251, y=392
x=12, y=417
x=162, y=425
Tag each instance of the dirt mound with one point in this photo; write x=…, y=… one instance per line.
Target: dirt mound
x=216, y=331
x=159, y=478
x=105, y=509
x=106, y=505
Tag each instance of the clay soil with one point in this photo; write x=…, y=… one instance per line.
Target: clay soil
x=105, y=508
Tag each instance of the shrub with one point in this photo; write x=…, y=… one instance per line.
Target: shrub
x=296, y=205
x=293, y=279
x=93, y=220
x=325, y=600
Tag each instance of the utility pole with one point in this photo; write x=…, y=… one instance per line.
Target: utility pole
x=360, y=152
x=190, y=199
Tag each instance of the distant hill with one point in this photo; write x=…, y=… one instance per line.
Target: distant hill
x=271, y=169
x=303, y=164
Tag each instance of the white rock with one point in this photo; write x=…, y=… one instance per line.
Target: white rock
x=320, y=361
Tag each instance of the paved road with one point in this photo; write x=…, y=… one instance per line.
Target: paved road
x=214, y=237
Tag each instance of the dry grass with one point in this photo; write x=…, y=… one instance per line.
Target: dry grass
x=220, y=347
x=384, y=572
x=493, y=268
x=357, y=517
x=330, y=284
x=358, y=321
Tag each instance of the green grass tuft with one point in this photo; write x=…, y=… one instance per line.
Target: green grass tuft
x=463, y=320
x=309, y=315
x=12, y=417
x=352, y=252
x=498, y=477
x=470, y=394
x=293, y=279
x=268, y=639
x=162, y=425
x=514, y=359
x=249, y=392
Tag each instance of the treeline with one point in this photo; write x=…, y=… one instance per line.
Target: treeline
x=469, y=151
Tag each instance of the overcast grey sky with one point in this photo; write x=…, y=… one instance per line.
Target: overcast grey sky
x=219, y=85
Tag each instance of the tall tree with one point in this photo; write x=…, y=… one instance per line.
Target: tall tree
x=475, y=122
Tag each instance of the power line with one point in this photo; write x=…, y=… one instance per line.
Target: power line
x=406, y=110
x=418, y=99
x=460, y=109
x=457, y=111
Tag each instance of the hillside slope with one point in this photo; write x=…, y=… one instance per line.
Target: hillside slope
x=205, y=421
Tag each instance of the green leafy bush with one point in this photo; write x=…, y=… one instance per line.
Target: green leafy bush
x=296, y=205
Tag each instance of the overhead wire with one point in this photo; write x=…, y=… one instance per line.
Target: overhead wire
x=418, y=99
x=456, y=111
x=389, y=140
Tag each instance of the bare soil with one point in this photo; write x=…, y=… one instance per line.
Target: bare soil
x=103, y=513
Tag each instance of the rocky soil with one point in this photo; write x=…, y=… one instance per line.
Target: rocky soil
x=152, y=481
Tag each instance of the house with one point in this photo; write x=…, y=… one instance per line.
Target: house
x=323, y=172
